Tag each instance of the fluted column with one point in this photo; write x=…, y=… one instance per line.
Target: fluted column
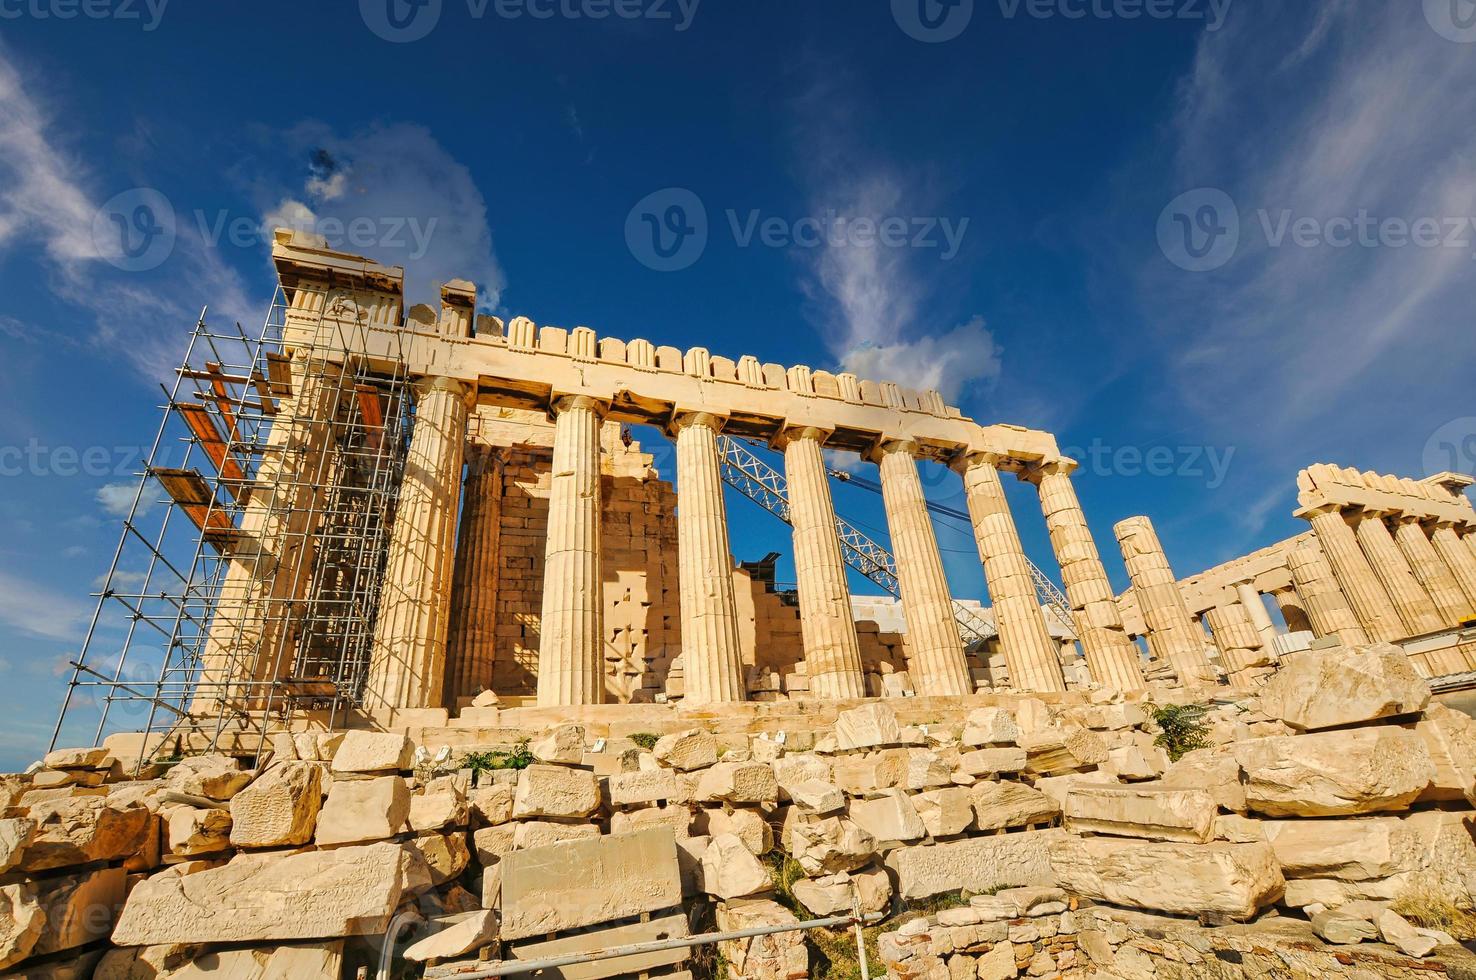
x=1111, y=656
x=1292, y=610
x=571, y=652
x=1032, y=655
x=1415, y=609
x=1460, y=559
x=1432, y=573
x=710, y=646
x=827, y=626
x=407, y=667
x=1361, y=587
x=937, y=659
x=251, y=635
x=1173, y=635
x=1255, y=610
x=471, y=640
x=1238, y=640
x=1328, y=610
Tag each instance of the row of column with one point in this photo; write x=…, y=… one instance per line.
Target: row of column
x=1394, y=585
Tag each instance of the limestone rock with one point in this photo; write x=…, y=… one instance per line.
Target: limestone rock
x=816, y=796
x=738, y=782
x=800, y=767
x=976, y=863
x=777, y=956
x=990, y=761
x=927, y=768
x=1348, y=850
x=79, y=908
x=730, y=869
x=492, y=843
x=264, y=897
x=1148, y=811
x=677, y=816
x=374, y=752
x=1342, y=929
x=1135, y=763
x=22, y=921
x=586, y=882
x=990, y=726
x=686, y=751
x=1234, y=880
x=1364, y=770
x=872, y=725
x=529, y=834
x=1398, y=933
x=1450, y=738
x=1006, y=804
x=556, y=791
x=1326, y=688
x=945, y=812
x=748, y=826
x=85, y=829
x=998, y=963
x=215, y=777
x=15, y=834
x=193, y=832
x=468, y=934
x=442, y=805
x=279, y=809
x=827, y=845
x=859, y=775
x=1053, y=751
x=445, y=855
x=492, y=805
x=562, y=745
x=362, y=810
x=832, y=894
x=189, y=963
x=1213, y=770
x=84, y=758
x=888, y=818
x=644, y=786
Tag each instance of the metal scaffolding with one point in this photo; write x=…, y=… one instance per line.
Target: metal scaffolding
x=246, y=576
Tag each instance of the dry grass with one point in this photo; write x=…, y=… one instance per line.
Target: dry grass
x=1431, y=910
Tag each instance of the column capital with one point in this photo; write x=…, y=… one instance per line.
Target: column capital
x=686, y=419
x=964, y=459
x=431, y=383
x=1060, y=466
x=560, y=404
x=885, y=447
x=794, y=433
x=1317, y=510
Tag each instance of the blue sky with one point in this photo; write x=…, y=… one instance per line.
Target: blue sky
x=1206, y=244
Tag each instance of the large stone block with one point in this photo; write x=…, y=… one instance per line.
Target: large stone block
x=1213, y=770
x=889, y=818
x=945, y=812
x=1326, y=688
x=872, y=725
x=261, y=897
x=374, y=752
x=686, y=751
x=990, y=726
x=1232, y=880
x=776, y=956
x=1450, y=738
x=977, y=863
x=561, y=745
x=644, y=786
x=826, y=845
x=81, y=830
x=192, y=833
x=80, y=909
x=216, y=777
x=832, y=894
x=556, y=791
x=188, y=963
x=362, y=810
x=15, y=834
x=731, y=870
x=586, y=882
x=640, y=964
x=1150, y=812
x=1006, y=804
x=279, y=809
x=1347, y=850
x=22, y=922
x=1327, y=774
x=738, y=782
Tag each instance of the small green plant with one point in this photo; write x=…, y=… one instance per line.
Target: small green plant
x=1181, y=729
x=645, y=740
x=518, y=757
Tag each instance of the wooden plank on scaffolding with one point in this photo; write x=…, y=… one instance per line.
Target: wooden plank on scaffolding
x=371, y=411
x=203, y=428
x=279, y=370
x=223, y=399
x=193, y=494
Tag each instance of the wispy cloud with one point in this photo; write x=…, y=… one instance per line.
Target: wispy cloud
x=38, y=611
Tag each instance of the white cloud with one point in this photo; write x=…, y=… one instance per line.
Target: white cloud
x=117, y=498
x=945, y=362
x=425, y=209
x=38, y=611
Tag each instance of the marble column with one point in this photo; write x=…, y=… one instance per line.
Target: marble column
x=1361, y=587
x=936, y=655
x=571, y=648
x=471, y=639
x=1413, y=605
x=1328, y=610
x=1461, y=561
x=710, y=647
x=1292, y=610
x=1172, y=634
x=1032, y=655
x=1255, y=609
x=1111, y=655
x=1238, y=640
x=407, y=666
x=1432, y=572
x=827, y=626
x=251, y=630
